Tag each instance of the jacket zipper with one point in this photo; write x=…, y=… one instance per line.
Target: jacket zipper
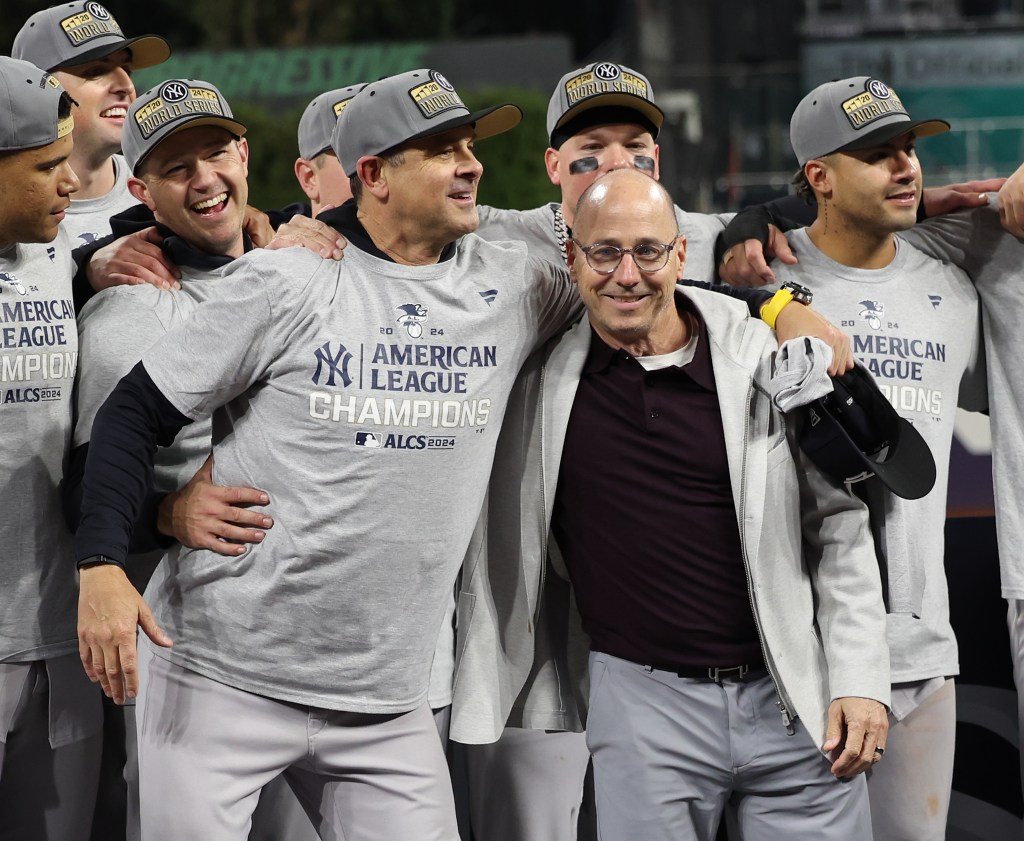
x=784, y=708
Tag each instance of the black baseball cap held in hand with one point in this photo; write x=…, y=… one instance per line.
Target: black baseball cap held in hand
x=855, y=432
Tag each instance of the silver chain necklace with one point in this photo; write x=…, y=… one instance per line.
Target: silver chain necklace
x=561, y=233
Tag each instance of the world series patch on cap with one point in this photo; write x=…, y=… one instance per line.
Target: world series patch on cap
x=76, y=33
x=29, y=102
x=854, y=433
x=409, y=106
x=602, y=85
x=170, y=107
x=851, y=114
x=318, y=120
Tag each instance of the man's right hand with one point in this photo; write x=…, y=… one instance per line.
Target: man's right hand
x=109, y=610
x=746, y=264
x=203, y=515
x=133, y=260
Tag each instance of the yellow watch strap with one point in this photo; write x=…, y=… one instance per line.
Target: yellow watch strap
x=770, y=311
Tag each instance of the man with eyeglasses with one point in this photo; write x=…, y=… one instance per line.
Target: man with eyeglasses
x=701, y=536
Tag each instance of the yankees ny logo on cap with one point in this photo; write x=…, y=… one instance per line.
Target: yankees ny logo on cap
x=77, y=33
x=851, y=114
x=168, y=108
x=603, y=85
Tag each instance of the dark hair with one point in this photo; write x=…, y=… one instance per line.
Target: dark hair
x=64, y=105
x=803, y=188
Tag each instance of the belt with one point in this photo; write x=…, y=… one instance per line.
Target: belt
x=715, y=673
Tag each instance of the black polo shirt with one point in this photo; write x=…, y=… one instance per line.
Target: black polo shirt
x=644, y=513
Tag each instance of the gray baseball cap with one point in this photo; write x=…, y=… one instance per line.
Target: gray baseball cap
x=75, y=33
x=29, y=101
x=851, y=114
x=603, y=84
x=168, y=108
x=406, y=107
x=317, y=122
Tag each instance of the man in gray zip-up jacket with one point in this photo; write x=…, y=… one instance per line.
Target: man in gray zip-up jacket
x=792, y=593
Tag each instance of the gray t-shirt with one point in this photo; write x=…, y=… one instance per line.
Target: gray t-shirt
x=976, y=241
x=536, y=228
x=365, y=397
x=38, y=357
x=915, y=325
x=114, y=329
x=88, y=220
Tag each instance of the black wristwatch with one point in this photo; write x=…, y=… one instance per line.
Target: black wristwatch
x=801, y=294
x=98, y=560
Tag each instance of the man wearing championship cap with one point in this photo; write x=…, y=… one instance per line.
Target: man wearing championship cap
x=601, y=118
x=317, y=168
x=83, y=45
x=915, y=324
x=365, y=395
x=49, y=719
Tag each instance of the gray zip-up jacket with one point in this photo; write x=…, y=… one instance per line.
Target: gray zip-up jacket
x=814, y=582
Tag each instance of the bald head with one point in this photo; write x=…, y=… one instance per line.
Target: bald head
x=619, y=189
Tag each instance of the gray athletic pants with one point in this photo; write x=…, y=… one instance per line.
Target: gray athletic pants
x=49, y=751
x=910, y=788
x=527, y=786
x=669, y=753
x=214, y=747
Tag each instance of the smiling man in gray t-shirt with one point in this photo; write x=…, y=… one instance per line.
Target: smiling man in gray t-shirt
x=366, y=395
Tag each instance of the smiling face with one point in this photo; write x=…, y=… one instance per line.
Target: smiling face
x=103, y=90
x=195, y=184
x=591, y=153
x=433, y=190
x=35, y=186
x=629, y=308
x=874, y=190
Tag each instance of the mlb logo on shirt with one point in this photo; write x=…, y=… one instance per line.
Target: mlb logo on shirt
x=368, y=439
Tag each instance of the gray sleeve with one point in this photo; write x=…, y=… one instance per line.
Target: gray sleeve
x=701, y=230
x=840, y=557
x=963, y=238
x=224, y=347
x=114, y=330
x=973, y=395
x=555, y=300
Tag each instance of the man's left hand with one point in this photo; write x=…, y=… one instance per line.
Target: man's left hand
x=312, y=234
x=856, y=726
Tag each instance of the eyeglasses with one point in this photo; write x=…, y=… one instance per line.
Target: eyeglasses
x=648, y=256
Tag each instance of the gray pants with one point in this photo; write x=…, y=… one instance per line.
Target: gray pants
x=910, y=788
x=670, y=753
x=213, y=747
x=527, y=786
x=45, y=792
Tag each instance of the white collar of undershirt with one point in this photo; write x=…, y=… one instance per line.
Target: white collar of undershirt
x=678, y=358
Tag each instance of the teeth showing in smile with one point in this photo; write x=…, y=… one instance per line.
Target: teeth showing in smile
x=116, y=111
x=213, y=201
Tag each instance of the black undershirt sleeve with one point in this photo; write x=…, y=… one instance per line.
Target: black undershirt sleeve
x=145, y=535
x=130, y=425
x=753, y=298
